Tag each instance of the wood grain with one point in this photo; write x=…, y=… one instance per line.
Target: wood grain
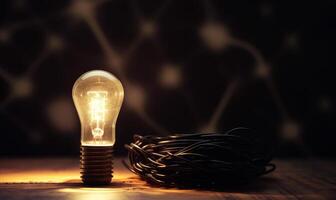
x=59, y=179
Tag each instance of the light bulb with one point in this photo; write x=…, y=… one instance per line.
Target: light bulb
x=98, y=97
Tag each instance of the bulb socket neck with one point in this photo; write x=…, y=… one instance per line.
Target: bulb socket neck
x=96, y=165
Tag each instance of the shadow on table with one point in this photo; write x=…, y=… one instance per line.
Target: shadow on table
x=258, y=186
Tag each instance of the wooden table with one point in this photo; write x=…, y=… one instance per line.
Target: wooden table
x=59, y=179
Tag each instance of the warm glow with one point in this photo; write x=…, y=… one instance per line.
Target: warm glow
x=49, y=171
x=39, y=176
x=98, y=96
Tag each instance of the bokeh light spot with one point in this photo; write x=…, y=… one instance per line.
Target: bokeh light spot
x=82, y=9
x=135, y=97
x=170, y=76
x=22, y=87
x=215, y=35
x=148, y=28
x=55, y=43
x=263, y=71
x=325, y=104
x=62, y=115
x=292, y=41
x=290, y=130
x=5, y=35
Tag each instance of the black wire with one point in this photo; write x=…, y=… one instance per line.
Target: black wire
x=200, y=159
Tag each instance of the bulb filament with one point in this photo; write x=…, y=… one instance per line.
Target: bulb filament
x=97, y=106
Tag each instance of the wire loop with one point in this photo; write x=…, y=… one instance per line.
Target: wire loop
x=199, y=159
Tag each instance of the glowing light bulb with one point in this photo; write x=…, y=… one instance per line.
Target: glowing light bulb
x=98, y=97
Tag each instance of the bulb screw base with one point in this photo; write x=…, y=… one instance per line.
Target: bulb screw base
x=96, y=165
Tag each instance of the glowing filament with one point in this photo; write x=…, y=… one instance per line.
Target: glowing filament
x=97, y=109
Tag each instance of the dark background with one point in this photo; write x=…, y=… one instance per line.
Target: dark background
x=186, y=66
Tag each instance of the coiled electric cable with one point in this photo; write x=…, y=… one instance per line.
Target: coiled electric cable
x=200, y=159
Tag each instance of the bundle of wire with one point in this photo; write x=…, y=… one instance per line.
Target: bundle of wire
x=200, y=159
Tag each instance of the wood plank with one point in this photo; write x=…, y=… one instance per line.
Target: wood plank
x=59, y=179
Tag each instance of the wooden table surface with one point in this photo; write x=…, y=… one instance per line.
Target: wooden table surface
x=59, y=179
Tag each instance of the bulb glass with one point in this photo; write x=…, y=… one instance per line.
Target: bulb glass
x=98, y=96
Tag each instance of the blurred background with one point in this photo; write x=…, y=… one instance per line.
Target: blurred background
x=187, y=66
